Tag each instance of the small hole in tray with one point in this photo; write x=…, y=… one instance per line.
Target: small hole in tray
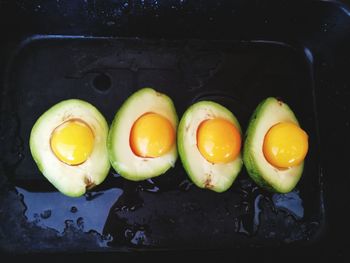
x=102, y=82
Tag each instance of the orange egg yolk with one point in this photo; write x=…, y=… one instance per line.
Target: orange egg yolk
x=152, y=135
x=218, y=140
x=72, y=142
x=285, y=145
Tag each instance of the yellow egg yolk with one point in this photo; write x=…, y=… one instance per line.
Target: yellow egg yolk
x=72, y=142
x=285, y=145
x=152, y=135
x=218, y=140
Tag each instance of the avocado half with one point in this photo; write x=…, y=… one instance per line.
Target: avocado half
x=71, y=180
x=268, y=113
x=122, y=158
x=215, y=177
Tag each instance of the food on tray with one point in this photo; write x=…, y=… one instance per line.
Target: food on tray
x=275, y=147
x=69, y=145
x=72, y=147
x=209, y=143
x=142, y=138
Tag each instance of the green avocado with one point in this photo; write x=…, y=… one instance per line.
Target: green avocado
x=122, y=158
x=268, y=113
x=216, y=177
x=71, y=180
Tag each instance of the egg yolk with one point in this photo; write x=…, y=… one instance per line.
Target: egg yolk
x=218, y=140
x=285, y=145
x=152, y=135
x=72, y=142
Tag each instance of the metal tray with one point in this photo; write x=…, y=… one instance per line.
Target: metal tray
x=167, y=212
x=296, y=50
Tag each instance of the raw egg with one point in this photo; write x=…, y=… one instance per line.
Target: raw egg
x=218, y=140
x=152, y=135
x=72, y=142
x=285, y=145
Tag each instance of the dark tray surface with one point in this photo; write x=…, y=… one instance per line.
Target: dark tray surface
x=166, y=212
x=322, y=26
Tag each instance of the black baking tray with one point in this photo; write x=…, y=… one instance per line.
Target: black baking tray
x=287, y=56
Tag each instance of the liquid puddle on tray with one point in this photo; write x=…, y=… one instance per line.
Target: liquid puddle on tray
x=262, y=212
x=98, y=212
x=56, y=211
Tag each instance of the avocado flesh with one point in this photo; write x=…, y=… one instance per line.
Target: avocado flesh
x=268, y=113
x=122, y=158
x=71, y=180
x=217, y=177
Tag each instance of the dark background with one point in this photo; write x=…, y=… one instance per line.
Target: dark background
x=322, y=26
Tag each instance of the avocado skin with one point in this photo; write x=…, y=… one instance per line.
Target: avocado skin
x=117, y=166
x=35, y=151
x=250, y=166
x=184, y=158
x=253, y=171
